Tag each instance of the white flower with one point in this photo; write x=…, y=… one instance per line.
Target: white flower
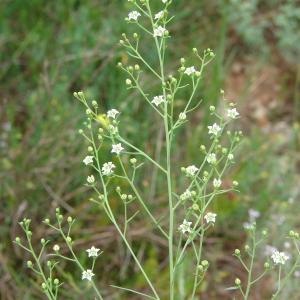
x=117, y=148
x=159, y=15
x=88, y=160
x=93, y=252
x=157, y=100
x=108, y=168
x=190, y=71
x=191, y=170
x=112, y=113
x=217, y=183
x=210, y=217
x=56, y=248
x=186, y=195
x=185, y=227
x=182, y=116
x=133, y=15
x=287, y=245
x=164, y=1
x=232, y=113
x=211, y=158
x=90, y=179
x=88, y=274
x=253, y=214
x=230, y=156
x=159, y=31
x=279, y=257
x=214, y=129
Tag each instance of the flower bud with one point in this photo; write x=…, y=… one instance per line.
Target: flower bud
x=237, y=252
x=29, y=264
x=237, y=281
x=212, y=108
x=128, y=81
x=44, y=285
x=69, y=239
x=18, y=240
x=56, y=248
x=133, y=161
x=56, y=281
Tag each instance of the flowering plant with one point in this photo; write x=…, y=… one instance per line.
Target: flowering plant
x=190, y=216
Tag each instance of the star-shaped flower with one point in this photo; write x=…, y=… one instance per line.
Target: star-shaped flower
x=88, y=274
x=112, y=113
x=134, y=15
x=185, y=227
x=93, y=252
x=88, y=160
x=117, y=148
x=157, y=100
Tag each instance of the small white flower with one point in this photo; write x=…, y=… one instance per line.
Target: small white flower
x=157, y=100
x=159, y=31
x=230, y=156
x=164, y=1
x=191, y=170
x=93, y=252
x=159, y=15
x=185, y=227
x=287, y=245
x=186, y=195
x=108, y=168
x=211, y=158
x=56, y=248
x=217, y=183
x=232, y=113
x=134, y=15
x=279, y=257
x=117, y=148
x=88, y=274
x=182, y=116
x=90, y=179
x=214, y=129
x=112, y=113
x=190, y=71
x=210, y=217
x=88, y=160
x=253, y=214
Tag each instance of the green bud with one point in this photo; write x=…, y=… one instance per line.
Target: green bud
x=266, y=265
x=69, y=219
x=195, y=206
x=56, y=281
x=133, y=161
x=237, y=281
x=69, y=239
x=29, y=264
x=237, y=252
x=212, y=108
x=18, y=240
x=44, y=286
x=204, y=263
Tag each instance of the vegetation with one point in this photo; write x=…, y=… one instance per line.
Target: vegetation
x=71, y=46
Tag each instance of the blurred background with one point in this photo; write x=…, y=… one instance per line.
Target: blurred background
x=49, y=49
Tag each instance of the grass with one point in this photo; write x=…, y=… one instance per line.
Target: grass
x=48, y=50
